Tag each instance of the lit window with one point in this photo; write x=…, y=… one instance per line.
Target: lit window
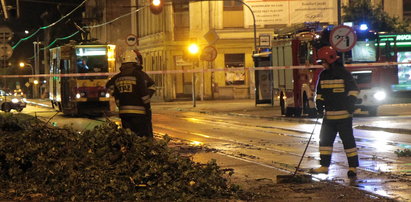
x=234, y=61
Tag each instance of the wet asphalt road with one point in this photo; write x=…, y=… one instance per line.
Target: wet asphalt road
x=277, y=144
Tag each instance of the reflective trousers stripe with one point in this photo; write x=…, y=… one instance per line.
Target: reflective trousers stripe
x=335, y=115
x=131, y=111
x=326, y=150
x=351, y=152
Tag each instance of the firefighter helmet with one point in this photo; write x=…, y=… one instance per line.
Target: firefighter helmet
x=132, y=56
x=328, y=54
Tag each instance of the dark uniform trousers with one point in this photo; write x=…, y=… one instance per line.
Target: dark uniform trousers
x=328, y=133
x=138, y=123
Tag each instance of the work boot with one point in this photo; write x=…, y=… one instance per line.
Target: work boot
x=320, y=170
x=352, y=172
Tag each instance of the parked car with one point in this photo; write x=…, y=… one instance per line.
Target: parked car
x=9, y=102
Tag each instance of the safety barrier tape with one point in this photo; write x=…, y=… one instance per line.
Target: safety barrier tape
x=207, y=70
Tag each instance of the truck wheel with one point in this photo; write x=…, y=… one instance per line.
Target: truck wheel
x=311, y=112
x=6, y=107
x=289, y=111
x=297, y=112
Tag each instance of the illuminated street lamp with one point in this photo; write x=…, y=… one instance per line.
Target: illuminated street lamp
x=191, y=53
x=22, y=65
x=156, y=6
x=193, y=49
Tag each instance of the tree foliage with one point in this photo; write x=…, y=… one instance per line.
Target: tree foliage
x=363, y=12
x=106, y=163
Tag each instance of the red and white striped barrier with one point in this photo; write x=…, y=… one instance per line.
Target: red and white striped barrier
x=207, y=70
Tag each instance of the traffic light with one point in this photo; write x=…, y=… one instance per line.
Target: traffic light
x=156, y=6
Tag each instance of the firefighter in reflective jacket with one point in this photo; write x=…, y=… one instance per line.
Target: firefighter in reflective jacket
x=132, y=95
x=150, y=86
x=335, y=98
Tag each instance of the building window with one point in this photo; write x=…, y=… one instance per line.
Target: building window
x=234, y=61
x=233, y=14
x=407, y=9
x=181, y=20
x=181, y=5
x=232, y=5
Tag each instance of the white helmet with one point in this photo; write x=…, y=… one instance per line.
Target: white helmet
x=129, y=56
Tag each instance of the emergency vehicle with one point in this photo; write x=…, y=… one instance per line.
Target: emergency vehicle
x=369, y=63
x=79, y=73
x=372, y=63
x=294, y=88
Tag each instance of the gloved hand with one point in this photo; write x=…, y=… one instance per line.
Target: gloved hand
x=320, y=111
x=351, y=104
x=351, y=108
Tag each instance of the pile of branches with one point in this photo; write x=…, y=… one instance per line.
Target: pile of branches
x=38, y=161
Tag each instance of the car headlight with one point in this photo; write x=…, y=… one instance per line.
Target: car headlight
x=380, y=95
x=107, y=95
x=15, y=100
x=78, y=95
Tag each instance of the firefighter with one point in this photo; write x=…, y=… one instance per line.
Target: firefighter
x=336, y=95
x=151, y=88
x=132, y=95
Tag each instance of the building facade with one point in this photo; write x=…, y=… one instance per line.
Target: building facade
x=234, y=30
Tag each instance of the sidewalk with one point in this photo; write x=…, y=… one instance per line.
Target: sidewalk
x=392, y=118
x=242, y=107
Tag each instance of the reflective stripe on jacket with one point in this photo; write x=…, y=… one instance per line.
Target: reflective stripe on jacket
x=130, y=90
x=336, y=92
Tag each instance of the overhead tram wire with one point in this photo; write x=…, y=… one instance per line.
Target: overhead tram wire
x=48, y=26
x=90, y=27
x=115, y=19
x=60, y=38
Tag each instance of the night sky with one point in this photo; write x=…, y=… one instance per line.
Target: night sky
x=31, y=12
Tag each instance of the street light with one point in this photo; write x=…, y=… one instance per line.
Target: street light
x=22, y=65
x=35, y=81
x=156, y=6
x=193, y=49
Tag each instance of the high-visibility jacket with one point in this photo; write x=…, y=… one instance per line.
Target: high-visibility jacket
x=151, y=86
x=336, y=92
x=130, y=90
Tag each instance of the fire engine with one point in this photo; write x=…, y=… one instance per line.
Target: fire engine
x=294, y=81
x=376, y=78
x=294, y=88
x=78, y=77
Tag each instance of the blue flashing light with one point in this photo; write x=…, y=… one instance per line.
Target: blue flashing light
x=363, y=27
x=265, y=50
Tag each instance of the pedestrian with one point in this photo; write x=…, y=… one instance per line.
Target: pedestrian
x=150, y=86
x=336, y=95
x=132, y=95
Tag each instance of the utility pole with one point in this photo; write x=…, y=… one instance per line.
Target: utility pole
x=36, y=67
x=339, y=12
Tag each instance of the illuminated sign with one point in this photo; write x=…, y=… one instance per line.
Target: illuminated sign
x=289, y=12
x=401, y=37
